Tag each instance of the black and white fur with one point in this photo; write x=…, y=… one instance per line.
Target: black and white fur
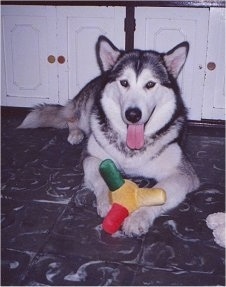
x=135, y=88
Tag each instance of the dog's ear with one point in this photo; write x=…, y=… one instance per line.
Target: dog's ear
x=176, y=58
x=107, y=53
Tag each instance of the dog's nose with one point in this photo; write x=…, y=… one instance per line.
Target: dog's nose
x=133, y=115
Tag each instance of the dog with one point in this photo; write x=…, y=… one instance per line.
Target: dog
x=133, y=113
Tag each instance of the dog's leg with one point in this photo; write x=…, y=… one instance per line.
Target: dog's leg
x=176, y=187
x=94, y=181
x=76, y=135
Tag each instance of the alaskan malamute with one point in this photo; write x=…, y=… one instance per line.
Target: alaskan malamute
x=132, y=113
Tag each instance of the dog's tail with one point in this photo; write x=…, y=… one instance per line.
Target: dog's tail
x=45, y=115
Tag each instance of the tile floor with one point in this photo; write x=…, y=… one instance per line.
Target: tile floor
x=52, y=236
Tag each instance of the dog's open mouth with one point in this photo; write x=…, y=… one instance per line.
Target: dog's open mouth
x=135, y=136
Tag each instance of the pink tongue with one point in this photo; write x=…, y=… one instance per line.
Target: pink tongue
x=135, y=136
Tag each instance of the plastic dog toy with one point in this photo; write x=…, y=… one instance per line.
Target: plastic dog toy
x=126, y=196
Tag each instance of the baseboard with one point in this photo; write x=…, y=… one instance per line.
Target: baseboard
x=205, y=127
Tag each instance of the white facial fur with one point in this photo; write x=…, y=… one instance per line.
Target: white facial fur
x=136, y=94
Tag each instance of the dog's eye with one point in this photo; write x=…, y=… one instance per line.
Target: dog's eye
x=150, y=85
x=124, y=83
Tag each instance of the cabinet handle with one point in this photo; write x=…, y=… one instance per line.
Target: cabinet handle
x=61, y=59
x=51, y=59
x=211, y=66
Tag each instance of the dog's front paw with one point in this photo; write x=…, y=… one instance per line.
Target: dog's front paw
x=137, y=223
x=103, y=207
x=75, y=137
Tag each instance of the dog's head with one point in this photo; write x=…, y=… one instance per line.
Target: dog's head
x=142, y=87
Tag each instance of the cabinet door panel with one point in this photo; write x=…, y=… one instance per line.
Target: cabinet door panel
x=79, y=29
x=163, y=28
x=214, y=93
x=26, y=45
x=3, y=77
x=24, y=70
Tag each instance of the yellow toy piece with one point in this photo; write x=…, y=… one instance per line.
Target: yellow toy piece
x=132, y=197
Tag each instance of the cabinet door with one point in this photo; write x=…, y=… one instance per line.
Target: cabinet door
x=163, y=28
x=28, y=38
x=3, y=78
x=78, y=31
x=214, y=94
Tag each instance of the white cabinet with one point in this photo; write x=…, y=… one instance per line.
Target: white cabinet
x=163, y=28
x=49, y=52
x=28, y=37
x=214, y=88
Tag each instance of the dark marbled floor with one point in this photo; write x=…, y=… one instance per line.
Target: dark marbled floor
x=51, y=234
